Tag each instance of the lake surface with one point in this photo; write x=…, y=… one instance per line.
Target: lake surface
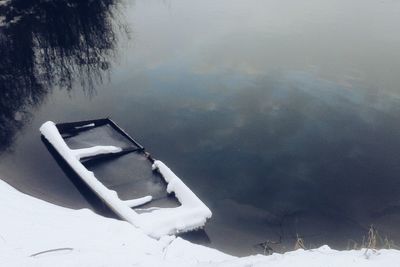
x=282, y=116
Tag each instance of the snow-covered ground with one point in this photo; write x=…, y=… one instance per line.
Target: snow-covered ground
x=37, y=233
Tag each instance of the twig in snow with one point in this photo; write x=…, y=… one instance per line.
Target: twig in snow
x=50, y=250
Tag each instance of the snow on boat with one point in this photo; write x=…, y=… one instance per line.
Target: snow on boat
x=97, y=146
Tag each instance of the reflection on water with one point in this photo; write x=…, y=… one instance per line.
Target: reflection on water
x=283, y=117
x=286, y=154
x=47, y=44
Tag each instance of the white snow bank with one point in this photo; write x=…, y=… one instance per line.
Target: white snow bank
x=29, y=226
x=155, y=222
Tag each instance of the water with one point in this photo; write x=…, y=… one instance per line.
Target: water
x=281, y=115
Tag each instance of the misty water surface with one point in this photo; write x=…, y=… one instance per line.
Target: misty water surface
x=283, y=116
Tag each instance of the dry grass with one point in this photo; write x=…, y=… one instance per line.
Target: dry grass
x=372, y=241
x=299, y=243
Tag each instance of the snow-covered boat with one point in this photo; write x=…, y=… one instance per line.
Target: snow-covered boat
x=98, y=146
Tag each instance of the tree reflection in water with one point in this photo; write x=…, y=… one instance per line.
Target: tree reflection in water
x=47, y=44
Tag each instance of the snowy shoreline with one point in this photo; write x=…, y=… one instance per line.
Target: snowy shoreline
x=36, y=233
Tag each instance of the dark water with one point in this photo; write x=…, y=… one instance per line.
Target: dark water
x=283, y=116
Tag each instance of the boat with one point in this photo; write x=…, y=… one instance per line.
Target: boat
x=97, y=149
